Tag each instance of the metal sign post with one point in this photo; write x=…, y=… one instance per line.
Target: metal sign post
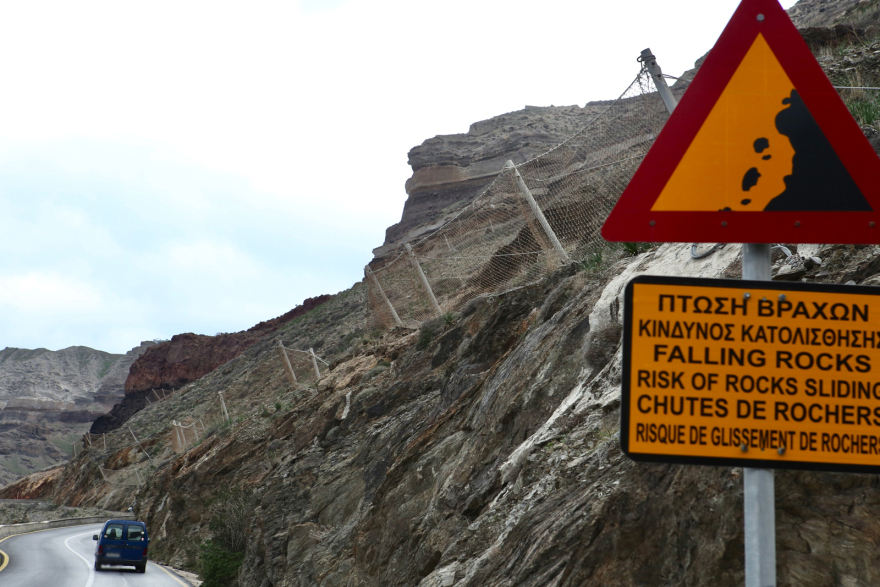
x=758, y=484
x=759, y=507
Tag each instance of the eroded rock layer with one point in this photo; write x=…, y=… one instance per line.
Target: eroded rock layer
x=49, y=398
x=185, y=358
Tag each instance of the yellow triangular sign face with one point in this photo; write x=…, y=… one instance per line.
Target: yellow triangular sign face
x=742, y=159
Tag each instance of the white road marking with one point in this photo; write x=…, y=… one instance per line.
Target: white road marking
x=89, y=565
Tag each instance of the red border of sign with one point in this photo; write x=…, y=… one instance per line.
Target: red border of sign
x=632, y=218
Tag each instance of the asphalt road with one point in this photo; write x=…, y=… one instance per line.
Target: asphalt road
x=65, y=557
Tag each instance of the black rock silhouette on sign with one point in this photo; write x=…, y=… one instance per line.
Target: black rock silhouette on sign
x=818, y=181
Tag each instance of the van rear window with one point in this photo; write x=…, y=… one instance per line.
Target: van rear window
x=113, y=531
x=135, y=533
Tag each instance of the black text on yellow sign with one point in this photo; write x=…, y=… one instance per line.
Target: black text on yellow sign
x=747, y=373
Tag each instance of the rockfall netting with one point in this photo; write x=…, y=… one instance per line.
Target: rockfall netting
x=499, y=241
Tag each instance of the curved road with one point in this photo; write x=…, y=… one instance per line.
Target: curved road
x=65, y=557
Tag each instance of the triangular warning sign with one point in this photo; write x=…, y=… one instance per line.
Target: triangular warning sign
x=760, y=150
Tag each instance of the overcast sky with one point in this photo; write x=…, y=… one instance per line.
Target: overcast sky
x=171, y=167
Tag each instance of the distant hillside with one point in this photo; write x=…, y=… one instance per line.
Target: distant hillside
x=49, y=398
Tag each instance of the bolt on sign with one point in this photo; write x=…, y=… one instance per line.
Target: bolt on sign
x=751, y=374
x=760, y=149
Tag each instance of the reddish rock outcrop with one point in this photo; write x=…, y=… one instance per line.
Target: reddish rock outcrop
x=38, y=485
x=185, y=358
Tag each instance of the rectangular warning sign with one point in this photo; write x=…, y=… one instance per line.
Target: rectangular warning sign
x=751, y=373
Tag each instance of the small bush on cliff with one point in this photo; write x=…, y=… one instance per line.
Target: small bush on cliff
x=218, y=566
x=221, y=557
x=425, y=337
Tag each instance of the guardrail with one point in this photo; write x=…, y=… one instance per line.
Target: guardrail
x=28, y=527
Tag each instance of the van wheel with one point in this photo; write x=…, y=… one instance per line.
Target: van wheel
x=142, y=568
x=97, y=566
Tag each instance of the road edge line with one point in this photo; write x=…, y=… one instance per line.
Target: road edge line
x=172, y=575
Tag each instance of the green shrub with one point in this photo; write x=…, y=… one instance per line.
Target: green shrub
x=380, y=368
x=633, y=249
x=592, y=263
x=865, y=110
x=425, y=337
x=218, y=566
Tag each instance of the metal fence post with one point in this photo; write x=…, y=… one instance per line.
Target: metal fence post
x=176, y=433
x=418, y=269
x=290, y=374
x=394, y=315
x=527, y=194
x=759, y=506
x=139, y=443
x=223, y=405
x=659, y=81
x=315, y=363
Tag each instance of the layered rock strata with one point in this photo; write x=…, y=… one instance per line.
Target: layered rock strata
x=48, y=398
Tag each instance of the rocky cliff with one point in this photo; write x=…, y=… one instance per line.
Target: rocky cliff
x=49, y=398
x=481, y=449
x=451, y=170
x=476, y=451
x=827, y=13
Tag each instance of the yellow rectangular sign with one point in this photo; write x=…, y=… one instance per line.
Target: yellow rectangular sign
x=751, y=373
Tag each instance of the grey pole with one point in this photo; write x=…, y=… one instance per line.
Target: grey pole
x=372, y=275
x=139, y=443
x=659, y=81
x=527, y=194
x=418, y=269
x=758, y=484
x=287, y=366
x=315, y=363
x=223, y=405
x=177, y=433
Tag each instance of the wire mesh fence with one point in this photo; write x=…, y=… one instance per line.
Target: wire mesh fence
x=128, y=460
x=301, y=367
x=529, y=221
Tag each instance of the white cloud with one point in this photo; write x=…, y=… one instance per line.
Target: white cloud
x=201, y=166
x=53, y=294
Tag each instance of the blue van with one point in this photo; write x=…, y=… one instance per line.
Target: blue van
x=122, y=542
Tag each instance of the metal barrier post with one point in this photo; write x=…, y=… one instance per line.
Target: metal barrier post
x=659, y=81
x=527, y=194
x=223, y=405
x=394, y=315
x=315, y=363
x=139, y=443
x=418, y=269
x=758, y=484
x=290, y=374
